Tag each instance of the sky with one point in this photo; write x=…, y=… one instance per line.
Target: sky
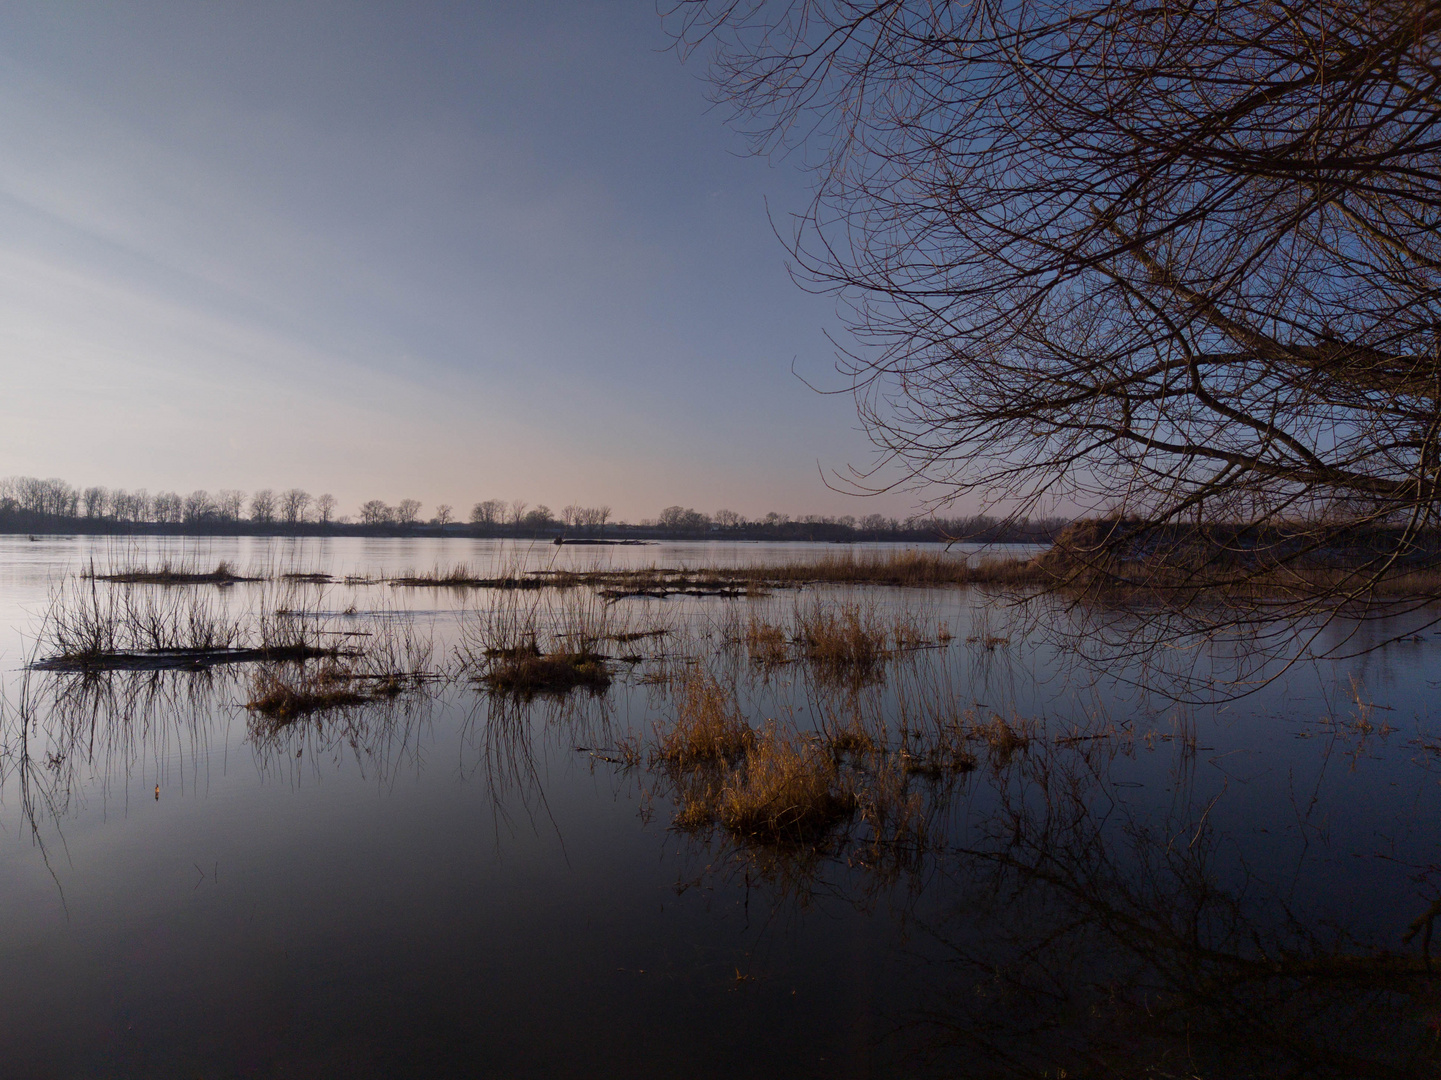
x=448, y=252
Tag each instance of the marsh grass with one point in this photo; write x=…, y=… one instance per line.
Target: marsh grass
x=854, y=784
x=91, y=626
x=284, y=694
x=169, y=573
x=843, y=640
x=522, y=646
x=707, y=729
x=527, y=674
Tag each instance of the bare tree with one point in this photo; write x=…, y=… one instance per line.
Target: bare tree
x=517, y=511
x=489, y=512
x=683, y=519
x=94, y=499
x=262, y=506
x=407, y=512
x=230, y=504
x=375, y=512
x=198, y=506
x=293, y=505
x=325, y=508
x=728, y=519
x=1170, y=266
x=167, y=507
x=444, y=514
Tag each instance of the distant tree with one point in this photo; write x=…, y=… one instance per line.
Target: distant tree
x=572, y=516
x=728, y=519
x=198, y=506
x=325, y=508
x=374, y=512
x=601, y=514
x=230, y=504
x=54, y=497
x=683, y=519
x=874, y=523
x=490, y=512
x=262, y=506
x=517, y=511
x=168, y=508
x=129, y=506
x=444, y=514
x=539, y=518
x=93, y=499
x=293, y=504
x=408, y=511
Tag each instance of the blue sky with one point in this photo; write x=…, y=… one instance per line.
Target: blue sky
x=449, y=252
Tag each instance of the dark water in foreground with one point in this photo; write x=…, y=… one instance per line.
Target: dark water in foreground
x=445, y=885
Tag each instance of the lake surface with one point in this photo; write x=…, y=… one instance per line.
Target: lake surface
x=459, y=883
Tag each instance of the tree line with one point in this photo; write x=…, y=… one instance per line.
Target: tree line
x=31, y=504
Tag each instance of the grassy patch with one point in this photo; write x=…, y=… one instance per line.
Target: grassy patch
x=170, y=574
x=708, y=730
x=528, y=672
x=285, y=695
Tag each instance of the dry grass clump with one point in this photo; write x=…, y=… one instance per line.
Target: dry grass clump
x=853, y=739
x=518, y=646
x=766, y=643
x=1003, y=739
x=526, y=671
x=942, y=758
x=93, y=628
x=847, y=639
x=283, y=694
x=168, y=573
x=784, y=790
x=463, y=576
x=708, y=729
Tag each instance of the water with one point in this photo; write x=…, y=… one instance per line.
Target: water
x=447, y=885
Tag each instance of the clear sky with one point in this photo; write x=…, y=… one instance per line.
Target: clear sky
x=440, y=251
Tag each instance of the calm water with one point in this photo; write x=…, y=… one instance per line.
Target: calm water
x=457, y=885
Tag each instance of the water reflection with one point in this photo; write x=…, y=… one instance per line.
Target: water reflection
x=1069, y=930
x=1117, y=887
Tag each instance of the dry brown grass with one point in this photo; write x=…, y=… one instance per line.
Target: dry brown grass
x=766, y=643
x=168, y=573
x=1003, y=738
x=771, y=785
x=283, y=694
x=784, y=790
x=708, y=729
x=902, y=568
x=526, y=672
x=843, y=640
